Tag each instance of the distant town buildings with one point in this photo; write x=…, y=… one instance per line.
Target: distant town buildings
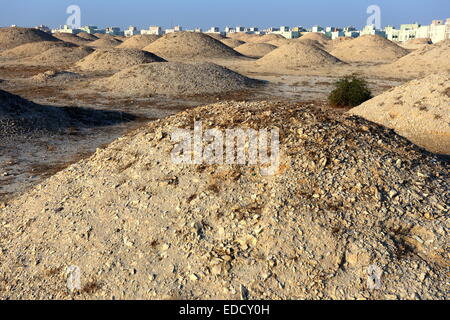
x=438, y=30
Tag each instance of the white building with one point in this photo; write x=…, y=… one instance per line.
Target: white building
x=131, y=31
x=153, y=30
x=43, y=28
x=436, y=31
x=114, y=31
x=66, y=29
x=316, y=29
x=91, y=29
x=176, y=29
x=371, y=30
x=213, y=30
x=230, y=30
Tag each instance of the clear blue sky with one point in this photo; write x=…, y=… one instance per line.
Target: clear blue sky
x=207, y=13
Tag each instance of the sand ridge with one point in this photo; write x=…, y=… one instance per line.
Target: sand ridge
x=115, y=59
x=368, y=48
x=255, y=49
x=418, y=110
x=138, y=41
x=15, y=36
x=190, y=45
x=175, y=78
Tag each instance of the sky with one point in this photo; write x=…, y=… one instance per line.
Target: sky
x=208, y=13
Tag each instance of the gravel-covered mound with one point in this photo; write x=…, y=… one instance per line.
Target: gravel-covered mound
x=418, y=110
x=115, y=59
x=232, y=43
x=34, y=48
x=56, y=76
x=72, y=38
x=353, y=212
x=14, y=36
x=315, y=36
x=297, y=55
x=22, y=118
x=138, y=41
x=105, y=43
x=59, y=56
x=87, y=36
x=265, y=38
x=429, y=59
x=255, y=49
x=192, y=45
x=368, y=48
x=176, y=78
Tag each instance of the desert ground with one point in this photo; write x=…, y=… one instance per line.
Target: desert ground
x=86, y=176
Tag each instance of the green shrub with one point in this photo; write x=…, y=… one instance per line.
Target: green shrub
x=350, y=91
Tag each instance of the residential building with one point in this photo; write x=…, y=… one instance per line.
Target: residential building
x=131, y=31
x=66, y=29
x=153, y=30
x=114, y=31
x=91, y=29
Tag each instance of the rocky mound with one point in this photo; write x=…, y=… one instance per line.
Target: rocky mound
x=255, y=49
x=71, y=38
x=20, y=116
x=315, y=36
x=111, y=60
x=428, y=59
x=216, y=36
x=280, y=42
x=368, y=48
x=415, y=44
x=418, y=110
x=297, y=55
x=14, y=36
x=59, y=56
x=353, y=212
x=56, y=76
x=138, y=41
x=265, y=38
x=192, y=45
x=173, y=78
x=105, y=42
x=232, y=43
x=34, y=48
x=87, y=36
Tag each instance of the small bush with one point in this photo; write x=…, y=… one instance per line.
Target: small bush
x=350, y=91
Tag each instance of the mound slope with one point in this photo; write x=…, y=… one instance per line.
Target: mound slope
x=138, y=41
x=190, y=45
x=368, y=48
x=232, y=43
x=87, y=36
x=297, y=55
x=129, y=217
x=255, y=49
x=34, y=48
x=111, y=60
x=428, y=59
x=174, y=78
x=20, y=116
x=106, y=42
x=71, y=38
x=14, y=36
x=418, y=110
x=60, y=56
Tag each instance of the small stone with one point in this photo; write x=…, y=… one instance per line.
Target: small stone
x=193, y=277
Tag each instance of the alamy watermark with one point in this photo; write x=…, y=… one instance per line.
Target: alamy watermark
x=231, y=146
x=374, y=277
x=375, y=16
x=74, y=20
x=73, y=274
